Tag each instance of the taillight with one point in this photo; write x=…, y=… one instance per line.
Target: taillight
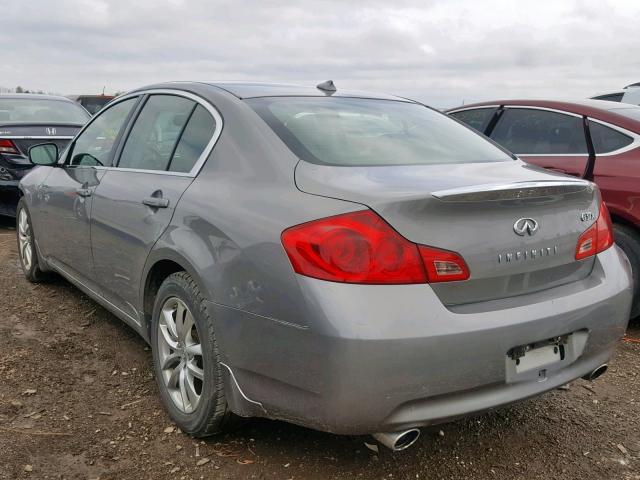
x=7, y=146
x=361, y=247
x=598, y=237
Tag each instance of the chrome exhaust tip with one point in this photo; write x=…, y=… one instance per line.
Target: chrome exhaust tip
x=596, y=373
x=397, y=441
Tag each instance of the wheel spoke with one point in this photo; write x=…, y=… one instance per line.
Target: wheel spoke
x=186, y=327
x=195, y=371
x=183, y=388
x=167, y=337
x=180, y=314
x=173, y=380
x=195, y=350
x=167, y=315
x=190, y=388
x=170, y=361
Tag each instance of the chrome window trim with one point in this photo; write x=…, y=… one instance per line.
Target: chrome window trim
x=464, y=109
x=547, y=109
x=167, y=91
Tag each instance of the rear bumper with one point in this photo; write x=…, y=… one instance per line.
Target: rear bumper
x=9, y=196
x=382, y=358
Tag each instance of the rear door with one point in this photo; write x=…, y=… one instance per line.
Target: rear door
x=547, y=138
x=135, y=201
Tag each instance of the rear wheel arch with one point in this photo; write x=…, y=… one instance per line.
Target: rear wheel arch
x=158, y=269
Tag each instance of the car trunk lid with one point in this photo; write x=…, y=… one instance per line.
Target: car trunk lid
x=473, y=209
x=24, y=136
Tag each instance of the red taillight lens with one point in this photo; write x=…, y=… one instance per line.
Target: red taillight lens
x=361, y=247
x=598, y=237
x=442, y=265
x=7, y=146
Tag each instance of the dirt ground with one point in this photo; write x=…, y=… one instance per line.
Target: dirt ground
x=78, y=400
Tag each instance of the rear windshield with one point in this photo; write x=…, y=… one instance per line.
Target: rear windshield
x=27, y=110
x=360, y=132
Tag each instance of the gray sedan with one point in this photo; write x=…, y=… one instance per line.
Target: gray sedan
x=350, y=262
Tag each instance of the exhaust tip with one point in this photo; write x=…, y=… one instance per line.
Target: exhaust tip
x=596, y=373
x=397, y=441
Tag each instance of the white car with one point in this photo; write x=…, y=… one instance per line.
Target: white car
x=629, y=94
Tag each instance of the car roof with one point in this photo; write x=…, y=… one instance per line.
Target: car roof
x=245, y=90
x=611, y=112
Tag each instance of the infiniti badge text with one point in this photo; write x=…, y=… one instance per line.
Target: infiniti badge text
x=533, y=254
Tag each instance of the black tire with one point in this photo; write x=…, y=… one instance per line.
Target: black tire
x=212, y=414
x=34, y=272
x=629, y=241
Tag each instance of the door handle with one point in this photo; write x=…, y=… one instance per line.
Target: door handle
x=156, y=202
x=83, y=192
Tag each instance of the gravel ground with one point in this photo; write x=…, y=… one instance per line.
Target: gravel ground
x=78, y=400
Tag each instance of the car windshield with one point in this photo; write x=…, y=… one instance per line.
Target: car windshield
x=358, y=132
x=27, y=110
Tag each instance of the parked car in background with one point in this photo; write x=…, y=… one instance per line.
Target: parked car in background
x=629, y=94
x=92, y=103
x=592, y=139
x=26, y=120
x=351, y=262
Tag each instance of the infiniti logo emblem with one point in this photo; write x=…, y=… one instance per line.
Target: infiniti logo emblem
x=525, y=226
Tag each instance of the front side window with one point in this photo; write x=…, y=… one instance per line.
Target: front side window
x=151, y=142
x=477, y=118
x=95, y=146
x=367, y=132
x=527, y=131
x=607, y=139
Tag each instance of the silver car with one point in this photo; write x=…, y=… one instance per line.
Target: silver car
x=350, y=262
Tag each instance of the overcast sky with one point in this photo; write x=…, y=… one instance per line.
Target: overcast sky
x=440, y=52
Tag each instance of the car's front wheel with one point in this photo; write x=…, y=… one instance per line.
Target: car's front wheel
x=629, y=241
x=26, y=245
x=186, y=359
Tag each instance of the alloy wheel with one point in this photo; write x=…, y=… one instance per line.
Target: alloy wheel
x=180, y=355
x=25, y=242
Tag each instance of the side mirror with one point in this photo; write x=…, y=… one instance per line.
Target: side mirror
x=44, y=154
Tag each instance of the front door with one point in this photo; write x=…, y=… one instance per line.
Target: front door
x=66, y=195
x=135, y=202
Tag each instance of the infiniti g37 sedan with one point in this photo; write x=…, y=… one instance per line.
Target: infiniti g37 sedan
x=26, y=120
x=350, y=262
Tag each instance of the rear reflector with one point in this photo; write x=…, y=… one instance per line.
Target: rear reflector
x=7, y=146
x=361, y=247
x=598, y=237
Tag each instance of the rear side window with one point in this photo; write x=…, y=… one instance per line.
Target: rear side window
x=194, y=140
x=154, y=135
x=367, y=132
x=527, y=131
x=606, y=140
x=477, y=118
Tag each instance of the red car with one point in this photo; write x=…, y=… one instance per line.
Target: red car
x=592, y=139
